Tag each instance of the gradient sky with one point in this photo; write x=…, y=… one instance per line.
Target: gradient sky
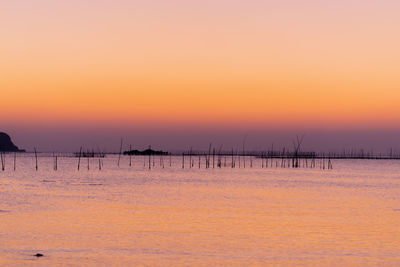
x=178, y=73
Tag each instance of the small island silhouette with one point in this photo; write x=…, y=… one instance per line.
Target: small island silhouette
x=148, y=151
x=6, y=145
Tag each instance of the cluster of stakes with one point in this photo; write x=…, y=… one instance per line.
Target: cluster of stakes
x=195, y=160
x=215, y=158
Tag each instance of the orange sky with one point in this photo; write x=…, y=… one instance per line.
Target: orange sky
x=314, y=63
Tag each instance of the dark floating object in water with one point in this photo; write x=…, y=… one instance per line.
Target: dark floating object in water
x=38, y=255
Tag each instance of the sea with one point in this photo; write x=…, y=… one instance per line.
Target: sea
x=119, y=211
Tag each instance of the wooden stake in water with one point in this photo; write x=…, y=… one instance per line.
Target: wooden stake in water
x=130, y=155
x=244, y=154
x=79, y=158
x=213, y=157
x=208, y=157
x=54, y=162
x=36, y=159
x=190, y=158
x=15, y=160
x=149, y=161
x=2, y=161
x=120, y=151
x=262, y=160
x=232, y=159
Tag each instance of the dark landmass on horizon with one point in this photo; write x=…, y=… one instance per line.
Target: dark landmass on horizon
x=6, y=145
x=145, y=152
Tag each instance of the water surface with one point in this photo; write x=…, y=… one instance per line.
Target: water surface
x=130, y=215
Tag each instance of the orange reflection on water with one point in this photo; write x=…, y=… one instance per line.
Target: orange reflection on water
x=130, y=216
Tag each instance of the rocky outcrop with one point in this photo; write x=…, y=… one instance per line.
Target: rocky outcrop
x=6, y=145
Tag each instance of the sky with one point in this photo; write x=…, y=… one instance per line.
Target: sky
x=185, y=73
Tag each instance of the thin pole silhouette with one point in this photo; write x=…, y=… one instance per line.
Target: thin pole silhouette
x=130, y=155
x=36, y=159
x=120, y=151
x=79, y=158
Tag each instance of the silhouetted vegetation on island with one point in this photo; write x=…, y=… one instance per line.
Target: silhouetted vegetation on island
x=146, y=152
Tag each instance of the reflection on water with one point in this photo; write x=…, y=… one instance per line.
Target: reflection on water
x=131, y=215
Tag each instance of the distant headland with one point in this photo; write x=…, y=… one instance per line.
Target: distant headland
x=6, y=145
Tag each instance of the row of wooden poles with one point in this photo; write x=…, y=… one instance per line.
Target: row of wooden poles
x=210, y=160
x=190, y=160
x=3, y=161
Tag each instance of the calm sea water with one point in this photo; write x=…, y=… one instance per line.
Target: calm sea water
x=125, y=216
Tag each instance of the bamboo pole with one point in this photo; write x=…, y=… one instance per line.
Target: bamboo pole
x=213, y=158
x=149, y=160
x=120, y=151
x=244, y=154
x=36, y=159
x=232, y=159
x=190, y=158
x=130, y=155
x=54, y=162
x=79, y=158
x=2, y=161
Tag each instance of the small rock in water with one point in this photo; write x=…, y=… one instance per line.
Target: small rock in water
x=38, y=255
